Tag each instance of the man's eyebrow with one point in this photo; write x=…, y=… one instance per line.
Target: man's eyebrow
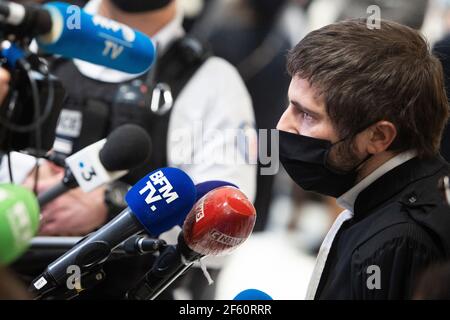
x=305, y=109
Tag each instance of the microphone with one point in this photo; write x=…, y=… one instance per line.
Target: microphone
x=19, y=221
x=203, y=188
x=29, y=19
x=103, y=162
x=11, y=53
x=68, y=31
x=133, y=244
x=218, y=223
x=155, y=204
x=252, y=294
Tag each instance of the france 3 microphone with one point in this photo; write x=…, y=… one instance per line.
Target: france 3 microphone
x=107, y=160
x=218, y=223
x=67, y=30
x=19, y=221
x=155, y=205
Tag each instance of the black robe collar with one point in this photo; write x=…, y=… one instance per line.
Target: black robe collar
x=413, y=184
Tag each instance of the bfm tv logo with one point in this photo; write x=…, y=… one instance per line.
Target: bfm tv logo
x=166, y=188
x=87, y=173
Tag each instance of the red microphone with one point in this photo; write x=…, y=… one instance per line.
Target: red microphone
x=219, y=222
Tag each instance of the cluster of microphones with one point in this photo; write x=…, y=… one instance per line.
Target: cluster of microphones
x=216, y=217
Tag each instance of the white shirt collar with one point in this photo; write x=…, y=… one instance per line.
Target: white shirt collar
x=173, y=30
x=347, y=200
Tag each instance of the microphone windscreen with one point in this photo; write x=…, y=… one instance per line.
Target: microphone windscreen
x=19, y=221
x=219, y=222
x=161, y=198
x=126, y=147
x=96, y=39
x=203, y=188
x=252, y=294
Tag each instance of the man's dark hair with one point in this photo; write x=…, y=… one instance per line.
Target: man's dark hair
x=367, y=75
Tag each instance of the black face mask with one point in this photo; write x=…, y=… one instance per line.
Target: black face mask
x=136, y=6
x=305, y=160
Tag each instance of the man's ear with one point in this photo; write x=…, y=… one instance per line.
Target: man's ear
x=380, y=136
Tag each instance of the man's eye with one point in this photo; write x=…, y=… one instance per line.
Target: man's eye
x=306, y=116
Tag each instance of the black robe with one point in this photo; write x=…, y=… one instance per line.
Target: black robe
x=401, y=225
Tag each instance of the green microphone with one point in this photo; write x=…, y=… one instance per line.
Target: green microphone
x=19, y=221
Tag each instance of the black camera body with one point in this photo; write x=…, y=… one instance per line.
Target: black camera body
x=19, y=119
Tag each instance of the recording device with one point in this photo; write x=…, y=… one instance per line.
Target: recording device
x=29, y=114
x=218, y=223
x=19, y=221
x=155, y=204
x=107, y=160
x=23, y=21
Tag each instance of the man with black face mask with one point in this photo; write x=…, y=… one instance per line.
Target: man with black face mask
x=367, y=109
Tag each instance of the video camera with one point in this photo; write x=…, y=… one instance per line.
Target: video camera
x=29, y=113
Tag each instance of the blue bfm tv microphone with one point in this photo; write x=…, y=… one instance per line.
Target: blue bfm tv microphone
x=155, y=204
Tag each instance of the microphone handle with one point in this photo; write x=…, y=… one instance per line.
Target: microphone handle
x=166, y=269
x=164, y=285
x=170, y=264
x=52, y=193
x=68, y=182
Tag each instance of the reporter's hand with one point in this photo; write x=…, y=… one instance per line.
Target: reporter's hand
x=46, y=170
x=4, y=84
x=75, y=213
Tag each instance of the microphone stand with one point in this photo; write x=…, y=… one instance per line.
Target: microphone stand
x=86, y=281
x=136, y=245
x=171, y=263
